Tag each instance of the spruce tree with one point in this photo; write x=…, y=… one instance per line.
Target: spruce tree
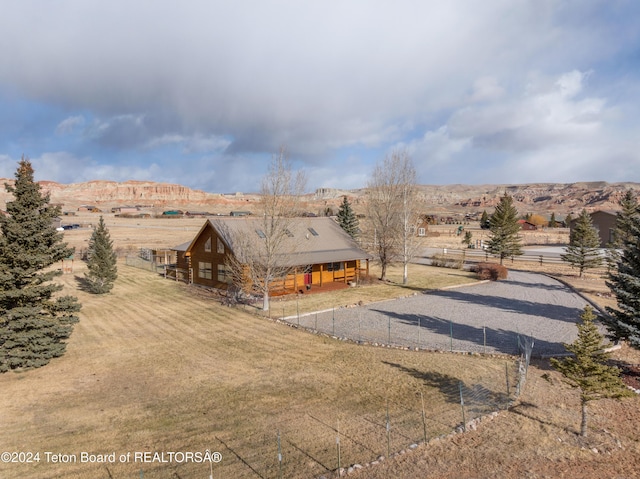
x=583, y=251
x=101, y=261
x=347, y=219
x=624, y=282
x=484, y=221
x=34, y=320
x=552, y=221
x=621, y=231
x=588, y=370
x=503, y=225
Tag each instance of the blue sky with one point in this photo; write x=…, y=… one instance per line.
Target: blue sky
x=203, y=93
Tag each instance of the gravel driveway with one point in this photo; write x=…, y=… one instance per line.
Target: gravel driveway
x=487, y=317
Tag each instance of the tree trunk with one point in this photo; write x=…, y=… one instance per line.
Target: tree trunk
x=405, y=274
x=265, y=301
x=383, y=272
x=583, y=424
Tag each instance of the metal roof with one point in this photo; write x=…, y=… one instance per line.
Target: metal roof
x=309, y=240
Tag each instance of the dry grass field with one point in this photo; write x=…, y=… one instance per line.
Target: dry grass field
x=156, y=366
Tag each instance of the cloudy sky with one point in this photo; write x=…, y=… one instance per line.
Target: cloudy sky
x=202, y=93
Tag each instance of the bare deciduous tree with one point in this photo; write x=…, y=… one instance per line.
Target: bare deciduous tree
x=260, y=255
x=391, y=211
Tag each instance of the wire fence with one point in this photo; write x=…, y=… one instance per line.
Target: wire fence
x=407, y=330
x=322, y=446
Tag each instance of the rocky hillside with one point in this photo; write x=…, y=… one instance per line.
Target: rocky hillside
x=560, y=198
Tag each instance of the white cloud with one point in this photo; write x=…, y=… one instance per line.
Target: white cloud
x=177, y=81
x=69, y=125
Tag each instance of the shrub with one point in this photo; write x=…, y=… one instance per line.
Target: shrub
x=443, y=261
x=491, y=271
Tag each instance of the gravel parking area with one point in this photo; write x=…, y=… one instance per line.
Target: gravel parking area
x=487, y=317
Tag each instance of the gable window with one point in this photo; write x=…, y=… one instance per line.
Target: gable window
x=207, y=245
x=220, y=246
x=204, y=270
x=421, y=231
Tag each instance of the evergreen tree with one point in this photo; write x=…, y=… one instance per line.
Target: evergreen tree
x=621, y=232
x=624, y=219
x=503, y=224
x=552, y=221
x=347, y=219
x=101, y=261
x=624, y=322
x=588, y=369
x=583, y=251
x=468, y=238
x=34, y=320
x=567, y=220
x=484, y=221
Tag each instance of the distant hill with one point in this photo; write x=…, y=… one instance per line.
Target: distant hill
x=560, y=198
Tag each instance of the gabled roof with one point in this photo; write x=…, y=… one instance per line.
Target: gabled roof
x=309, y=240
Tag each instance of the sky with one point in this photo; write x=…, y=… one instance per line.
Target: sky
x=204, y=93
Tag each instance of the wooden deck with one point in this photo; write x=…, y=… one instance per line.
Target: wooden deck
x=315, y=289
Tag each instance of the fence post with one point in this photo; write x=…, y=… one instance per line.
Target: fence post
x=338, y=447
x=506, y=370
x=540, y=260
x=419, y=328
x=464, y=421
x=389, y=342
x=484, y=339
x=279, y=457
x=424, y=418
x=334, y=321
x=450, y=335
x=388, y=432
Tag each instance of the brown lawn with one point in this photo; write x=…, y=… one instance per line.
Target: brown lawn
x=155, y=367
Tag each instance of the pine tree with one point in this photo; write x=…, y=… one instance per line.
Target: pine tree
x=583, y=251
x=621, y=233
x=588, y=369
x=624, y=219
x=468, y=238
x=503, y=224
x=101, y=261
x=34, y=320
x=347, y=219
x=624, y=322
x=484, y=221
x=567, y=220
x=552, y=221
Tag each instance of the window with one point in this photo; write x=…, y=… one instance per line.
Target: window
x=220, y=246
x=313, y=232
x=261, y=233
x=334, y=266
x=421, y=231
x=222, y=273
x=207, y=245
x=204, y=270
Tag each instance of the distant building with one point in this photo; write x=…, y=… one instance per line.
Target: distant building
x=604, y=222
x=527, y=226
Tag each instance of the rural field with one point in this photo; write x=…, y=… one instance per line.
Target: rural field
x=157, y=366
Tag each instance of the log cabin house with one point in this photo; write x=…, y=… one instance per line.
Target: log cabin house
x=318, y=252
